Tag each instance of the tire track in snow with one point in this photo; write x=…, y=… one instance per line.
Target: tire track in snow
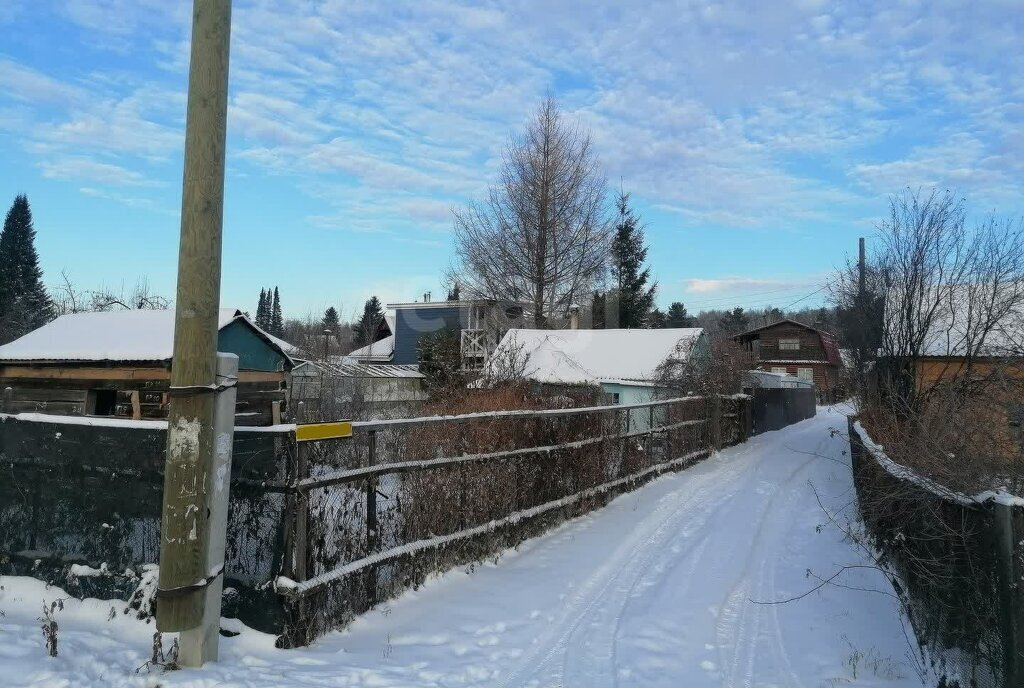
x=702, y=496
x=736, y=603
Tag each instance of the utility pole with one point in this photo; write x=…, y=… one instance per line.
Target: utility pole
x=860, y=269
x=186, y=569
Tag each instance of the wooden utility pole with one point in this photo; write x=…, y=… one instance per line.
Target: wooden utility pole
x=185, y=569
x=860, y=269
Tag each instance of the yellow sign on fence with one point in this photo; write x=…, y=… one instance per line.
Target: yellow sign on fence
x=310, y=432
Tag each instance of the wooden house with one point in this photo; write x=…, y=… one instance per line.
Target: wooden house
x=118, y=364
x=792, y=348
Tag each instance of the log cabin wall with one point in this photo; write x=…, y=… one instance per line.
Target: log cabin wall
x=135, y=391
x=810, y=346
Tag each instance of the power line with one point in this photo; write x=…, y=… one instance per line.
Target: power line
x=748, y=299
x=804, y=298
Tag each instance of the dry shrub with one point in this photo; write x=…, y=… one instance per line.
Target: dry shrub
x=965, y=436
x=462, y=496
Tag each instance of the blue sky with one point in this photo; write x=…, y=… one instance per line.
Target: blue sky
x=759, y=140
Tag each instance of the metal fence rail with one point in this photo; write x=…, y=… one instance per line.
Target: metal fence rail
x=367, y=522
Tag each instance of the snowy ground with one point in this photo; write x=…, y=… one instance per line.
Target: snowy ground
x=657, y=589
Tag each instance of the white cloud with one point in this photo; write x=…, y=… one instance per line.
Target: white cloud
x=729, y=113
x=78, y=168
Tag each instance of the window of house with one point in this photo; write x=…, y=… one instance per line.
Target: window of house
x=615, y=397
x=789, y=345
x=805, y=374
x=102, y=402
x=780, y=371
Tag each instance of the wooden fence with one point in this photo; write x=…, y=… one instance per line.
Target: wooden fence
x=374, y=515
x=321, y=531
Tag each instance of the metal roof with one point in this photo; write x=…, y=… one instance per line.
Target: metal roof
x=345, y=369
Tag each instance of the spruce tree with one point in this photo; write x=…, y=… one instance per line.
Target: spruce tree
x=24, y=303
x=636, y=298
x=370, y=327
x=677, y=316
x=597, y=312
x=656, y=319
x=261, y=311
x=276, y=320
x=331, y=320
x=734, y=321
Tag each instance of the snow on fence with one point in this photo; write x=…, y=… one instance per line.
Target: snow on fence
x=407, y=498
x=960, y=563
x=83, y=494
x=321, y=531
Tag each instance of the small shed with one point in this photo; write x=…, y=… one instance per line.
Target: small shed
x=344, y=389
x=119, y=364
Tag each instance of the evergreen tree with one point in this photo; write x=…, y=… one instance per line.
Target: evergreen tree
x=261, y=311
x=677, y=316
x=331, y=320
x=276, y=321
x=656, y=319
x=597, y=311
x=629, y=252
x=734, y=321
x=24, y=303
x=371, y=326
x=453, y=293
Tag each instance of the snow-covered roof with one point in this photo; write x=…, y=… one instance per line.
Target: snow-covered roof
x=346, y=369
x=374, y=353
x=135, y=335
x=591, y=356
x=954, y=332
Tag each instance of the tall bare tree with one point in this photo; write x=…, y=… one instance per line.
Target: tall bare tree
x=542, y=235
x=947, y=290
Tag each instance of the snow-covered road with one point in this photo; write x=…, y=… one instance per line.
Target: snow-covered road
x=661, y=588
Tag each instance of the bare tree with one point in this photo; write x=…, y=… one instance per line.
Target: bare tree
x=542, y=235
x=68, y=299
x=942, y=314
x=948, y=292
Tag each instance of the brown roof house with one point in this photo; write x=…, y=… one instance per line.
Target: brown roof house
x=790, y=347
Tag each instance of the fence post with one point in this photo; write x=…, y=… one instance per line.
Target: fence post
x=623, y=443
x=1007, y=530
x=371, y=518
x=668, y=433
x=715, y=420
x=650, y=435
x=8, y=401
x=300, y=546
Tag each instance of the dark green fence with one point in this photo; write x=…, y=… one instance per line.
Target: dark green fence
x=89, y=493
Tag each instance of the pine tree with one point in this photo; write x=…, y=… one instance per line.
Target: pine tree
x=261, y=311
x=453, y=293
x=371, y=324
x=24, y=303
x=276, y=321
x=636, y=298
x=677, y=316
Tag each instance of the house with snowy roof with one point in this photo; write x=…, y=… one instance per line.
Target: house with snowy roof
x=624, y=363
x=380, y=352
x=118, y=364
